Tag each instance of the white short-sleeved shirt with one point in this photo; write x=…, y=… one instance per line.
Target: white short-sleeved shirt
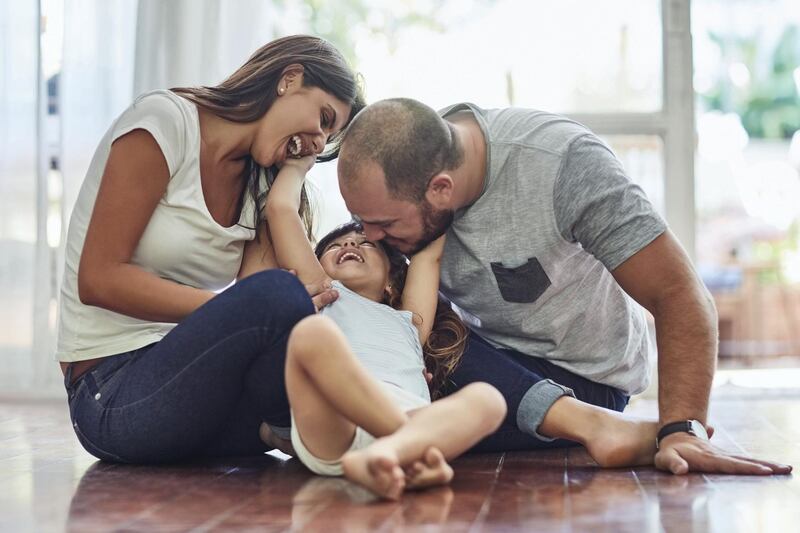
x=181, y=243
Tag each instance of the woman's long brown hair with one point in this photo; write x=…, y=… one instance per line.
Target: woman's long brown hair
x=448, y=338
x=247, y=94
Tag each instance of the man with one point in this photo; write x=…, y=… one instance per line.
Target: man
x=548, y=245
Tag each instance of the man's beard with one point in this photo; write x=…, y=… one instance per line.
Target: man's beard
x=434, y=225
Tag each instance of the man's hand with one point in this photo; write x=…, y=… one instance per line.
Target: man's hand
x=680, y=453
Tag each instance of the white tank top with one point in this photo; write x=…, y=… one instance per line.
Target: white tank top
x=382, y=338
x=182, y=242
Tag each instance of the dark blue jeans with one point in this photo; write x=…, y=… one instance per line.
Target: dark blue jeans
x=513, y=374
x=204, y=389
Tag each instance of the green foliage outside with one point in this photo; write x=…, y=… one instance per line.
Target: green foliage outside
x=340, y=21
x=769, y=105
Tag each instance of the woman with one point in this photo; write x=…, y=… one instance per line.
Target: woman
x=158, y=366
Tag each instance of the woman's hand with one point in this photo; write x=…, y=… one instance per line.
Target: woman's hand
x=321, y=292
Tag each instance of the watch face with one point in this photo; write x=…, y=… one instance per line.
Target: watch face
x=698, y=429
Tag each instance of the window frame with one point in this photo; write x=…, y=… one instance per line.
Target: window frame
x=674, y=123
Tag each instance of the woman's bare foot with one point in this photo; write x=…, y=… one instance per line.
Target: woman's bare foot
x=620, y=440
x=377, y=468
x=431, y=469
x=270, y=439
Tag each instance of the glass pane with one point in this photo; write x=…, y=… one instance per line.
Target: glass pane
x=568, y=56
x=18, y=161
x=325, y=196
x=643, y=159
x=747, y=80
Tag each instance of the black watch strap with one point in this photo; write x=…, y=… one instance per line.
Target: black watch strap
x=684, y=426
x=692, y=427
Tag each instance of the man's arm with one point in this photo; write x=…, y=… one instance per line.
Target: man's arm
x=661, y=278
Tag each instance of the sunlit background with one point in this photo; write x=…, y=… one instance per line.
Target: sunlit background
x=624, y=67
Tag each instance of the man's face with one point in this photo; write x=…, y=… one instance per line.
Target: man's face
x=404, y=225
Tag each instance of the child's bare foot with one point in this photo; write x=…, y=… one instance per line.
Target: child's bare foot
x=431, y=470
x=377, y=468
x=621, y=440
x=270, y=439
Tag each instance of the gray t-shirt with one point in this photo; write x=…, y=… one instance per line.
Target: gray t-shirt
x=528, y=264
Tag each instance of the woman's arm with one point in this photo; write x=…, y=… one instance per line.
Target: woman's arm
x=421, y=291
x=258, y=254
x=292, y=249
x=135, y=178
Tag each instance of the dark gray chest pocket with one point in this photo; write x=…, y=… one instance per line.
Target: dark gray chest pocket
x=522, y=284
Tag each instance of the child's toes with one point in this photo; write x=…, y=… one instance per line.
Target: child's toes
x=434, y=457
x=414, y=469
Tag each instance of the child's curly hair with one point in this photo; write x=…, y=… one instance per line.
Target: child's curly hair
x=447, y=340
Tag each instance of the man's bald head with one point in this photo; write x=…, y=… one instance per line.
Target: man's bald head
x=406, y=139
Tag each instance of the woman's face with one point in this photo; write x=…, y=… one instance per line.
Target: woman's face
x=357, y=263
x=299, y=122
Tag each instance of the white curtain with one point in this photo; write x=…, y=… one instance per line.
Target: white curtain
x=19, y=86
x=96, y=81
x=190, y=42
x=112, y=51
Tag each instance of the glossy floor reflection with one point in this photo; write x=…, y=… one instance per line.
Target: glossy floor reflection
x=48, y=483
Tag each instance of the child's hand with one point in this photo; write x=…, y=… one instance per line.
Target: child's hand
x=297, y=165
x=432, y=251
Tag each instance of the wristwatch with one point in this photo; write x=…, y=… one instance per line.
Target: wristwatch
x=692, y=427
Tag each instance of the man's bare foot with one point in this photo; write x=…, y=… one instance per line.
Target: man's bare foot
x=377, y=468
x=270, y=439
x=621, y=440
x=431, y=469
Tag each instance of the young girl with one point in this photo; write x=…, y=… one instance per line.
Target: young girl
x=355, y=373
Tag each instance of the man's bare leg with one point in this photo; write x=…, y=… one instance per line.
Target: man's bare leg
x=271, y=439
x=434, y=434
x=611, y=438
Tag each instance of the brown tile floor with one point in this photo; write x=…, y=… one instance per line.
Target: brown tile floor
x=48, y=483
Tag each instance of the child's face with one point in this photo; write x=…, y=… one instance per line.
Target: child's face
x=357, y=263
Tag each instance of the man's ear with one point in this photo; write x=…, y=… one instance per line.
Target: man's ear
x=440, y=191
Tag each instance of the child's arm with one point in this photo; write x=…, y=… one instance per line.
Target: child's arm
x=292, y=249
x=421, y=291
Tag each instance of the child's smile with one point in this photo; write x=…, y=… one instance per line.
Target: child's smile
x=349, y=255
x=359, y=264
